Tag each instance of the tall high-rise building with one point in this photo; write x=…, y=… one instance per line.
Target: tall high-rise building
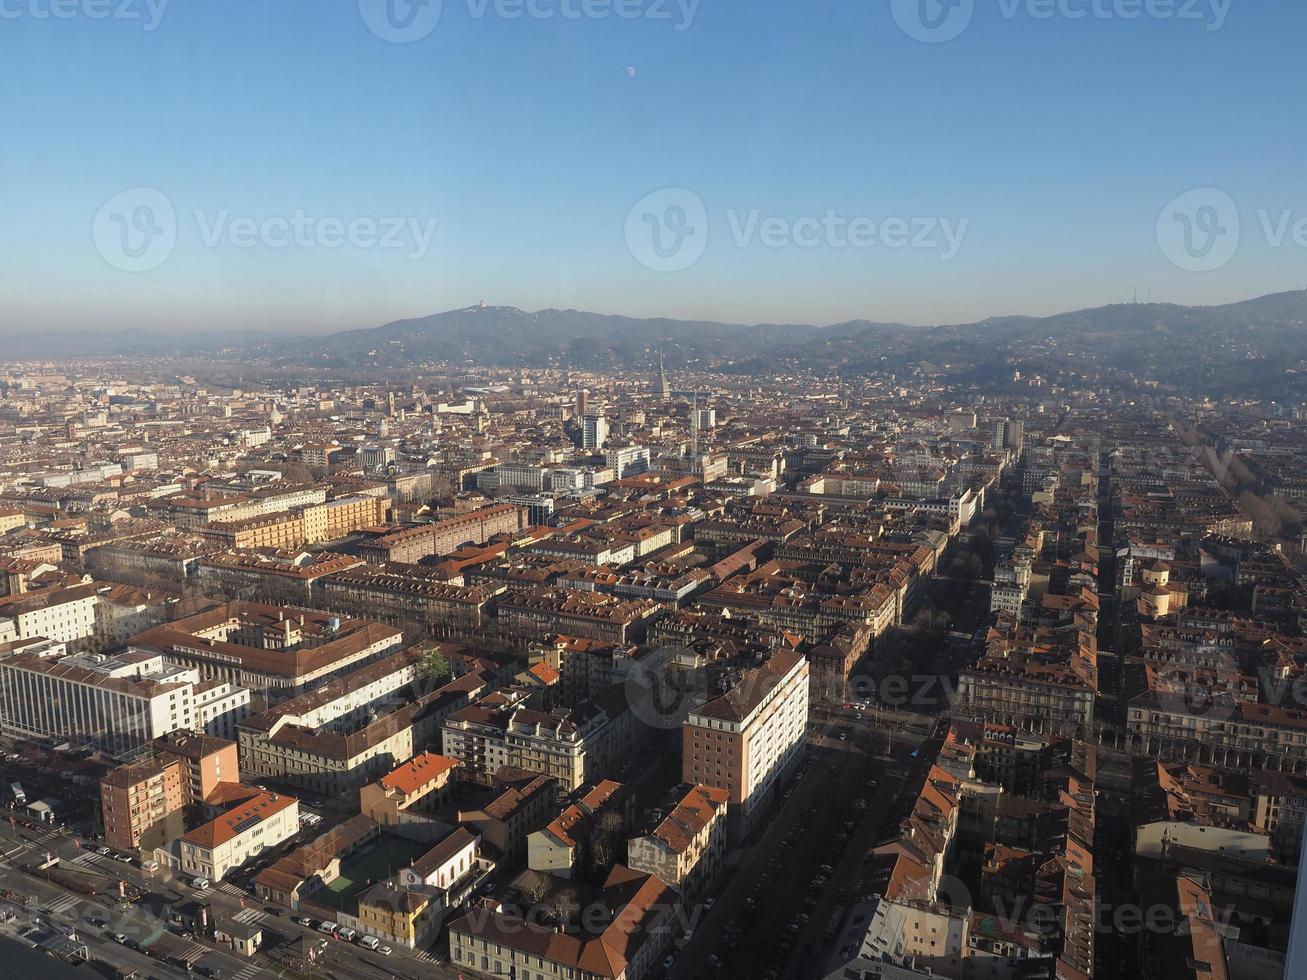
x=582, y=403
x=594, y=431
x=749, y=741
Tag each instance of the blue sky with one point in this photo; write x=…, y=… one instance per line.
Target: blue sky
x=500, y=159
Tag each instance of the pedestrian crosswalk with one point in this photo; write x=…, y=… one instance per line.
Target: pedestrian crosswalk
x=422, y=956
x=12, y=853
x=247, y=972
x=91, y=859
x=62, y=904
x=194, y=951
x=227, y=888
x=251, y=916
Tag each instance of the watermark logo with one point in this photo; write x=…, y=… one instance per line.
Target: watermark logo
x=1199, y=231
x=406, y=21
x=937, y=21
x=933, y=21
x=667, y=231
x=401, y=21
x=136, y=230
x=148, y=13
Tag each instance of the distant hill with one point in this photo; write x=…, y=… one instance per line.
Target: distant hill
x=1237, y=349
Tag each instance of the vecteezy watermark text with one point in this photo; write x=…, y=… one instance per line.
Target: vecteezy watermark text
x=937, y=21
x=668, y=230
x=148, y=12
x=1201, y=230
x=137, y=231
x=407, y=21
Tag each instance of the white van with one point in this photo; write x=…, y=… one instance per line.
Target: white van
x=328, y=927
x=200, y=884
x=150, y=867
x=347, y=934
x=368, y=942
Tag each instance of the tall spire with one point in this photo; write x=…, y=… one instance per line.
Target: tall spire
x=664, y=389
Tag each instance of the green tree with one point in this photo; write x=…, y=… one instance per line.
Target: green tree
x=433, y=666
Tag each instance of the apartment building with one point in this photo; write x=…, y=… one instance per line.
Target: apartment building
x=65, y=615
x=412, y=544
x=573, y=746
x=336, y=519
x=277, y=652
x=686, y=847
x=591, y=615
x=309, y=746
x=418, y=784
x=282, y=530
x=525, y=804
x=114, y=703
x=401, y=594
x=625, y=943
x=748, y=741
x=143, y=804
x=240, y=834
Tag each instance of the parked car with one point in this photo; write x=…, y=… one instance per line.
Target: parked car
x=200, y=884
x=330, y=928
x=347, y=934
x=368, y=942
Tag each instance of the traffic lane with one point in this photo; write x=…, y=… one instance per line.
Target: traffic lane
x=876, y=820
x=729, y=904
x=792, y=852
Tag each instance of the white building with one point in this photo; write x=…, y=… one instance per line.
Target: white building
x=594, y=431
x=628, y=461
x=115, y=703
x=244, y=832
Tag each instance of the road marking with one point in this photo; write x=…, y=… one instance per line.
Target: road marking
x=60, y=905
x=194, y=951
x=228, y=888
x=251, y=916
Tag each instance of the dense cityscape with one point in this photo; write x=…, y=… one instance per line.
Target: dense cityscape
x=557, y=673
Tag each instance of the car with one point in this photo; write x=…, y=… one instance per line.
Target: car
x=384, y=950
x=714, y=960
x=330, y=928
x=131, y=944
x=347, y=934
x=207, y=971
x=103, y=851
x=150, y=866
x=826, y=869
x=304, y=920
x=709, y=902
x=367, y=942
x=119, y=938
x=200, y=884
x=668, y=962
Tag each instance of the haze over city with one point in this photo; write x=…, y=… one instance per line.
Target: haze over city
x=653, y=490
x=1054, y=138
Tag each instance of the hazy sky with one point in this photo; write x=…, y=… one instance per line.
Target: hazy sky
x=315, y=165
